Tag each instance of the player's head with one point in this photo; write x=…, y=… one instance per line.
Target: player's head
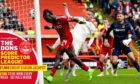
x=89, y=15
x=48, y=16
x=106, y=21
x=120, y=16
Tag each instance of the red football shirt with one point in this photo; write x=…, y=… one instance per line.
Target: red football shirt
x=62, y=27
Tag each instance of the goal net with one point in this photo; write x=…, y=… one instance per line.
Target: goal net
x=16, y=15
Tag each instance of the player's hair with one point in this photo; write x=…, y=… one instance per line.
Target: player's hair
x=48, y=16
x=120, y=12
x=49, y=12
x=90, y=10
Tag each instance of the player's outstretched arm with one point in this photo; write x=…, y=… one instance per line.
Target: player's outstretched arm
x=55, y=45
x=66, y=11
x=47, y=27
x=132, y=32
x=76, y=19
x=79, y=20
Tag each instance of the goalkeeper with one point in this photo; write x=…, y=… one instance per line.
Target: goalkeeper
x=121, y=29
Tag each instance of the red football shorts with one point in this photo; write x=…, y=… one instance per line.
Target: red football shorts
x=106, y=50
x=66, y=44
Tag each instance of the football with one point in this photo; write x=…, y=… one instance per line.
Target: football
x=32, y=13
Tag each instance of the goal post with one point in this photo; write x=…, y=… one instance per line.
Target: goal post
x=38, y=37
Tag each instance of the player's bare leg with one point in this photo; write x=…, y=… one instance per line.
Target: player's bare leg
x=115, y=64
x=73, y=57
x=111, y=66
x=108, y=66
x=71, y=68
x=68, y=73
x=51, y=48
x=135, y=63
x=106, y=69
x=101, y=64
x=63, y=66
x=57, y=61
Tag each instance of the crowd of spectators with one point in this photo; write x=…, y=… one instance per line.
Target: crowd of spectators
x=8, y=19
x=131, y=9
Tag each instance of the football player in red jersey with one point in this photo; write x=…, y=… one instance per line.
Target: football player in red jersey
x=105, y=50
x=60, y=23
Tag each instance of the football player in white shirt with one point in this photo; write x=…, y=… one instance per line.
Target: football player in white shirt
x=79, y=33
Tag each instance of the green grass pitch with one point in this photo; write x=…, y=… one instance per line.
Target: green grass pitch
x=125, y=76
